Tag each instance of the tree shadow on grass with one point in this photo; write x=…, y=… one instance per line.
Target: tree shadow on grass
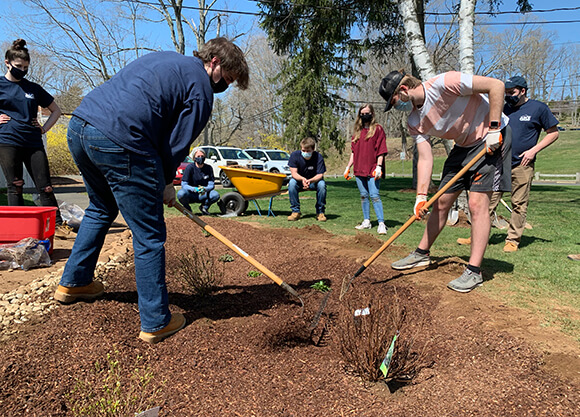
x=499, y=238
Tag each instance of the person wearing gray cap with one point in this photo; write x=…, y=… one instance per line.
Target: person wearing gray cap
x=527, y=119
x=467, y=109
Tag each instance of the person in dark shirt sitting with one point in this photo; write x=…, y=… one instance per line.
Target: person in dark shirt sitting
x=197, y=184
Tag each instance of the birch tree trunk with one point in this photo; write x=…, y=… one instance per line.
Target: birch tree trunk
x=415, y=40
x=466, y=20
x=467, y=62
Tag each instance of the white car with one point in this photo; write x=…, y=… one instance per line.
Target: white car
x=275, y=160
x=216, y=156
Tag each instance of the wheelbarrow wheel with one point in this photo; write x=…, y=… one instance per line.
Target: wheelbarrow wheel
x=224, y=179
x=234, y=203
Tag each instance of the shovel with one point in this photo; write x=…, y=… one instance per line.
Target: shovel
x=453, y=216
x=527, y=225
x=346, y=284
x=239, y=251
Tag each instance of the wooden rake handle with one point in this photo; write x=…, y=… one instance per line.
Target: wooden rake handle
x=238, y=250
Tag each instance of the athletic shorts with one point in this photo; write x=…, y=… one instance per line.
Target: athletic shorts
x=491, y=173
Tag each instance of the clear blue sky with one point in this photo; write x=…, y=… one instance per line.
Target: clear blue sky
x=567, y=32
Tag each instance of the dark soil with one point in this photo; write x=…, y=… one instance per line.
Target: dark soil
x=247, y=351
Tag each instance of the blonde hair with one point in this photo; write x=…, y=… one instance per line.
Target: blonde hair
x=358, y=125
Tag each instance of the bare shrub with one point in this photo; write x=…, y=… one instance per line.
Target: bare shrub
x=365, y=339
x=59, y=157
x=199, y=273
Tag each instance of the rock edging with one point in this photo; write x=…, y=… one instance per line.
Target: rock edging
x=35, y=298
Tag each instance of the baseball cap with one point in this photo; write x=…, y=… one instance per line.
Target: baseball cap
x=516, y=81
x=388, y=86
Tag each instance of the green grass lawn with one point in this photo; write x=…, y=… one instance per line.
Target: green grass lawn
x=562, y=157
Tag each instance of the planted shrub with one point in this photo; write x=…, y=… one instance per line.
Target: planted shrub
x=367, y=323
x=199, y=273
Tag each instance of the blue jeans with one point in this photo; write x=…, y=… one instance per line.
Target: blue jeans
x=118, y=179
x=185, y=197
x=369, y=189
x=295, y=187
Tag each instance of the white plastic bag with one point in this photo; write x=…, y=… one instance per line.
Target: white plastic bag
x=71, y=213
x=27, y=253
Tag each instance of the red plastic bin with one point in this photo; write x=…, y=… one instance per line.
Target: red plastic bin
x=17, y=222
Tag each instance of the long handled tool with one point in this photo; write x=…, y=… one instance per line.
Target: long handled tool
x=527, y=225
x=346, y=284
x=239, y=251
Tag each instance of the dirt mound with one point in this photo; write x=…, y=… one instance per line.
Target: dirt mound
x=247, y=350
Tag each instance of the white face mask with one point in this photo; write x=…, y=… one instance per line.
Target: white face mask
x=405, y=106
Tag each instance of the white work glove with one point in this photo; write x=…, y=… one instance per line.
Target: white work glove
x=378, y=172
x=347, y=173
x=169, y=195
x=493, y=140
x=420, y=202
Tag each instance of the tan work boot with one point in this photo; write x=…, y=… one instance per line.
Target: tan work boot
x=87, y=292
x=64, y=231
x=176, y=323
x=463, y=241
x=510, y=246
x=294, y=216
x=321, y=217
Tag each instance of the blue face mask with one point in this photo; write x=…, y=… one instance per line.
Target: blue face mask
x=306, y=155
x=199, y=159
x=405, y=106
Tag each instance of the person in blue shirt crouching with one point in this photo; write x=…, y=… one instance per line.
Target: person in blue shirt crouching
x=198, y=185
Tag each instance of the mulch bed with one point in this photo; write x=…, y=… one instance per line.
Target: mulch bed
x=245, y=350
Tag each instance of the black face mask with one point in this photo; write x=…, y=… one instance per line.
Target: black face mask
x=366, y=118
x=218, y=87
x=17, y=72
x=512, y=101
x=200, y=160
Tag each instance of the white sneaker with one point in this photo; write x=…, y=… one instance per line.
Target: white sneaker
x=366, y=224
x=382, y=229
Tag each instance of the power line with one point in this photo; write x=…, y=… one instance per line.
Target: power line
x=561, y=9
x=506, y=23
x=240, y=12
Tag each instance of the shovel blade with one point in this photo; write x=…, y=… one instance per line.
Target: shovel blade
x=452, y=217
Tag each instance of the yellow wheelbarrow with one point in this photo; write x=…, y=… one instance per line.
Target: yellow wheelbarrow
x=250, y=185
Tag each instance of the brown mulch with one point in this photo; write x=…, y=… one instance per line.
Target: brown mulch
x=245, y=350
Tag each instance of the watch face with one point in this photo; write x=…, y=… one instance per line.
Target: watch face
x=494, y=125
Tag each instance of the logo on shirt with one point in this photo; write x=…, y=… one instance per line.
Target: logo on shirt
x=525, y=118
x=29, y=95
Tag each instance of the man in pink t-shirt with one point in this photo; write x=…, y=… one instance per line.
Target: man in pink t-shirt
x=468, y=110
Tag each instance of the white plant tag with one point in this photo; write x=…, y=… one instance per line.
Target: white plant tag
x=362, y=312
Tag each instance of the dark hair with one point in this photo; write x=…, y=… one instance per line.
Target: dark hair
x=231, y=59
x=18, y=50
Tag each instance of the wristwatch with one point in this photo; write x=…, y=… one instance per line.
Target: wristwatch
x=494, y=124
